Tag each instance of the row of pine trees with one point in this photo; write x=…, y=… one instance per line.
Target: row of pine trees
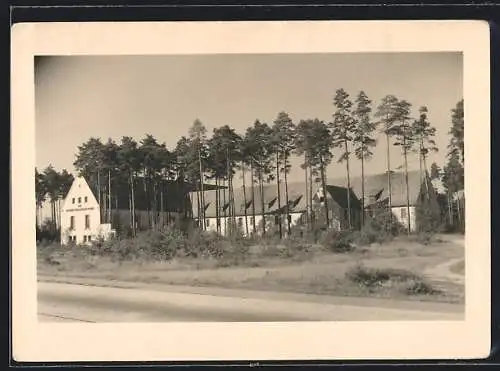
x=263, y=152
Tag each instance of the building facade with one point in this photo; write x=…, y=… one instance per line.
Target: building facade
x=81, y=216
x=251, y=209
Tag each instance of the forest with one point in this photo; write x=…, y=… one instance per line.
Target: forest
x=262, y=154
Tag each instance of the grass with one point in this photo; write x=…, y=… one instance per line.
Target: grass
x=387, y=270
x=458, y=268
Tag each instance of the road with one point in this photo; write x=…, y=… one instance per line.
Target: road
x=64, y=302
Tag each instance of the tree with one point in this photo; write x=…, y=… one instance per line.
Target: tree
x=225, y=155
x=198, y=163
x=246, y=163
x=40, y=193
x=363, y=139
x=283, y=143
x=457, y=131
x=258, y=140
x=181, y=157
x=111, y=166
x=453, y=171
x=304, y=147
x=313, y=140
x=405, y=138
x=435, y=172
x=153, y=156
x=89, y=163
x=130, y=163
x=343, y=131
x=424, y=135
x=386, y=112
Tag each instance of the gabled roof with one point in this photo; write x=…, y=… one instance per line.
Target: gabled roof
x=79, y=182
x=376, y=187
x=296, y=198
x=339, y=195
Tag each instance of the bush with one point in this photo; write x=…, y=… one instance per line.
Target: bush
x=338, y=241
x=373, y=278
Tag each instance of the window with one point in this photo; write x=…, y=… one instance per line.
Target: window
x=251, y=220
x=71, y=222
x=84, y=238
x=85, y=199
x=87, y=221
x=240, y=222
x=73, y=200
x=89, y=238
x=403, y=214
x=207, y=222
x=79, y=200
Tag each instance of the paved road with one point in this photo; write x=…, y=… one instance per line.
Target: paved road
x=63, y=302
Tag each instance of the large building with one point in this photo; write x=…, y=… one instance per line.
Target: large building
x=82, y=219
x=376, y=190
x=251, y=209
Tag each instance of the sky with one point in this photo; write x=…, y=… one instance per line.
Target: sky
x=78, y=97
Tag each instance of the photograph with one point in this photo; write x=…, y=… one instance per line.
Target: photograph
x=250, y=190
x=268, y=187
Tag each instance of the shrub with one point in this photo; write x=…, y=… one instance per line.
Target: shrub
x=373, y=278
x=419, y=287
x=338, y=241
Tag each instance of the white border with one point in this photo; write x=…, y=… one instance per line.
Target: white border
x=242, y=341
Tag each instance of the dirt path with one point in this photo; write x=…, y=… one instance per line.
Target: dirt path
x=442, y=272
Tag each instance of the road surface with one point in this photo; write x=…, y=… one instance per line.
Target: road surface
x=63, y=302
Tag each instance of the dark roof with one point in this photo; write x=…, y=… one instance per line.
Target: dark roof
x=376, y=187
x=339, y=195
x=296, y=198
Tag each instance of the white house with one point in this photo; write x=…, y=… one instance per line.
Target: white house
x=249, y=213
x=81, y=217
x=376, y=192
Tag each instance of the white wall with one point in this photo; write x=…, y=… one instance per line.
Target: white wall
x=400, y=214
x=212, y=222
x=77, y=206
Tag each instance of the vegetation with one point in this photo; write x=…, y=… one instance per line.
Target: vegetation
x=339, y=263
x=264, y=153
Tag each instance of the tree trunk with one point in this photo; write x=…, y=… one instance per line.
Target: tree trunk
x=147, y=200
x=311, y=209
x=306, y=191
x=323, y=184
x=109, y=195
x=202, y=190
x=130, y=205
x=424, y=160
x=252, y=180
x=134, y=227
x=217, y=205
x=230, y=232
x=407, y=186
x=198, y=201
x=245, y=200
x=261, y=182
x=99, y=192
x=362, y=187
x=279, y=194
x=289, y=227
x=224, y=207
x=349, y=213
x=389, y=180
x=162, y=209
